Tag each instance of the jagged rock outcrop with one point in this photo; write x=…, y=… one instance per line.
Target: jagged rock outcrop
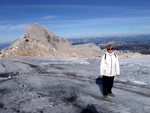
x=89, y=49
x=39, y=41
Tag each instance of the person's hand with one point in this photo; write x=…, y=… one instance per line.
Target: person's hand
x=118, y=75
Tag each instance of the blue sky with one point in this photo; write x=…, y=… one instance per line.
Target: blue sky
x=75, y=18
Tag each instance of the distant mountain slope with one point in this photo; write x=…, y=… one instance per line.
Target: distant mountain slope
x=98, y=40
x=140, y=47
x=134, y=44
x=3, y=45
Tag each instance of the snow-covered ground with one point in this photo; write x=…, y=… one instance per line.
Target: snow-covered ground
x=71, y=85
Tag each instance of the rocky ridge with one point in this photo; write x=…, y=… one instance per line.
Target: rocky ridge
x=38, y=40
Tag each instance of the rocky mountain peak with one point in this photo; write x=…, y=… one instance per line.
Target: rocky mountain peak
x=40, y=41
x=42, y=34
x=37, y=32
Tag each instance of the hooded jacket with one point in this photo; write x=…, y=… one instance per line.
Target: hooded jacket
x=109, y=65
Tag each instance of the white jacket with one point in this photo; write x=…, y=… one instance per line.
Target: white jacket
x=110, y=65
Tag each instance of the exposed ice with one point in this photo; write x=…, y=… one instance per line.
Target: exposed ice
x=71, y=85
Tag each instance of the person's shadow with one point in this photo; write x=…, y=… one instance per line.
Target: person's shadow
x=99, y=83
x=90, y=109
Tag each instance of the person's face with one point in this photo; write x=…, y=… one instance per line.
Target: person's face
x=110, y=50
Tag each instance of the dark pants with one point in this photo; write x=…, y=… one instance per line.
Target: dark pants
x=107, y=84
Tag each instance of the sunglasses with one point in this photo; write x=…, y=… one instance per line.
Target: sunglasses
x=111, y=49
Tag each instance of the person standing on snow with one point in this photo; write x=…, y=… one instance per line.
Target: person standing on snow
x=109, y=68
